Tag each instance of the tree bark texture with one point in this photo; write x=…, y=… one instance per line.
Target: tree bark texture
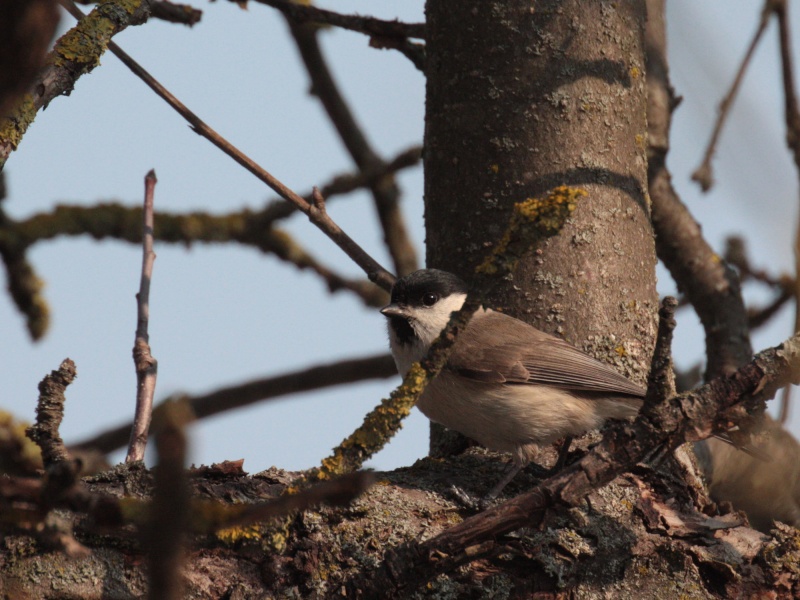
x=523, y=97
x=526, y=96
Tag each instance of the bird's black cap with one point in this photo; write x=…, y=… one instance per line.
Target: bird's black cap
x=410, y=289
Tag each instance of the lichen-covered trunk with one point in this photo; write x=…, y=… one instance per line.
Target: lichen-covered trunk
x=523, y=97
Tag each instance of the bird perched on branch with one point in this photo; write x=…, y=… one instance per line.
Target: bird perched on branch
x=506, y=384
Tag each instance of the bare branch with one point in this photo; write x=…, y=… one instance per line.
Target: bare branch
x=704, y=173
x=305, y=13
x=322, y=376
x=384, y=191
x=146, y=365
x=375, y=272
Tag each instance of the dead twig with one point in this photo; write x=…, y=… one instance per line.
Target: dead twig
x=146, y=365
x=50, y=413
x=661, y=380
x=704, y=173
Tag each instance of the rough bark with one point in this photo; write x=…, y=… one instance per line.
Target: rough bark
x=525, y=97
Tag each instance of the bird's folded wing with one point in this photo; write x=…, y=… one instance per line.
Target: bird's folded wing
x=502, y=352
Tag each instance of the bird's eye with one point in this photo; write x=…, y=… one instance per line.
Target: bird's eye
x=430, y=299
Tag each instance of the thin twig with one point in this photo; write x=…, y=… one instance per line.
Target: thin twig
x=345, y=183
x=146, y=365
x=375, y=272
x=756, y=317
x=385, y=191
x=704, y=173
x=305, y=13
x=343, y=372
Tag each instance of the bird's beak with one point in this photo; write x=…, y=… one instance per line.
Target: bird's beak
x=393, y=310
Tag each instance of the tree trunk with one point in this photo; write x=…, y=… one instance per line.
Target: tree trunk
x=524, y=97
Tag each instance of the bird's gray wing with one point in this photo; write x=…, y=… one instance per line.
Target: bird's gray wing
x=502, y=349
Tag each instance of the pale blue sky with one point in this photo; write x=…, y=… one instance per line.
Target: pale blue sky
x=222, y=315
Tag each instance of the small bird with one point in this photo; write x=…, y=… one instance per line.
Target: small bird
x=506, y=384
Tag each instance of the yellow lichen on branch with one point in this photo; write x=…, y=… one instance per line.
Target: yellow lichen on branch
x=378, y=427
x=531, y=221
